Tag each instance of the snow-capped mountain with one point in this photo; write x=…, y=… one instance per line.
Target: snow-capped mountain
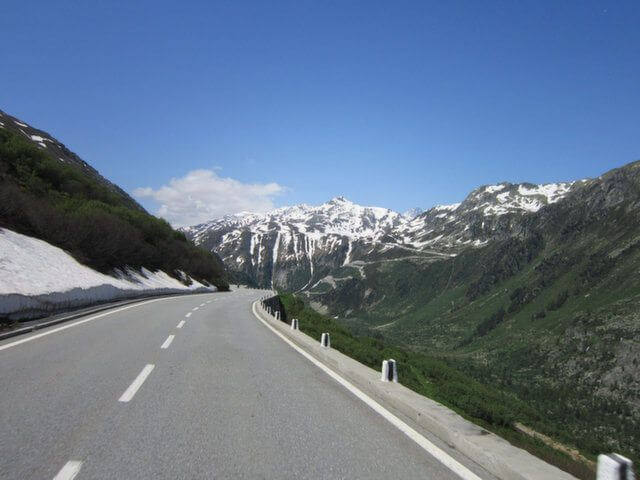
x=338, y=217
x=294, y=247
x=413, y=212
x=488, y=212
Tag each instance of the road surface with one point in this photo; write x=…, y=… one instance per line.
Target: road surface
x=188, y=387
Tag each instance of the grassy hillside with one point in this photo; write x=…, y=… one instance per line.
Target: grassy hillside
x=550, y=316
x=55, y=201
x=488, y=406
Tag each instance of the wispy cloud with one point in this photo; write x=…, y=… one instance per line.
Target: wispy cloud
x=202, y=195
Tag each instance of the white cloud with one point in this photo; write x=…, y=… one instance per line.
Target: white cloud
x=202, y=195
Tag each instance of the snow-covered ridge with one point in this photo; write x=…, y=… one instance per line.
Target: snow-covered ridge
x=507, y=197
x=344, y=218
x=35, y=277
x=338, y=216
x=293, y=247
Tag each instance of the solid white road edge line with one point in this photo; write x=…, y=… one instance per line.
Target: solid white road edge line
x=168, y=341
x=433, y=450
x=59, y=329
x=137, y=383
x=188, y=315
x=69, y=471
x=180, y=324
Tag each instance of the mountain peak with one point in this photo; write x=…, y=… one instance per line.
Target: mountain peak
x=339, y=200
x=413, y=212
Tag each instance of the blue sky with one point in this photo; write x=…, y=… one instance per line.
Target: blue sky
x=397, y=104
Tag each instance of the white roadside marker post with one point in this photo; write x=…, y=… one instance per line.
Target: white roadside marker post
x=294, y=324
x=389, y=371
x=614, y=467
x=325, y=341
x=277, y=315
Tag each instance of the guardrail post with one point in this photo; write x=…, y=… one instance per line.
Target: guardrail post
x=389, y=371
x=325, y=341
x=294, y=324
x=614, y=467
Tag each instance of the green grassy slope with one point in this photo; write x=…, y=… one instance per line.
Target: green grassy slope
x=488, y=406
x=55, y=201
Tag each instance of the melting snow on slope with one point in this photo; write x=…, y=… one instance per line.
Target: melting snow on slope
x=336, y=217
x=275, y=258
x=449, y=208
x=553, y=191
x=347, y=259
x=494, y=188
x=36, y=275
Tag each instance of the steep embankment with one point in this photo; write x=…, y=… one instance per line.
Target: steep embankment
x=38, y=278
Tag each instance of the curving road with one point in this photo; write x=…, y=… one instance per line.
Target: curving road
x=188, y=387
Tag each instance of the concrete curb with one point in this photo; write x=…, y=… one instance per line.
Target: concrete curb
x=486, y=449
x=84, y=312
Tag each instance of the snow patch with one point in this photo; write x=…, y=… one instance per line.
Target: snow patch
x=347, y=259
x=494, y=188
x=35, y=276
x=275, y=258
x=552, y=191
x=449, y=208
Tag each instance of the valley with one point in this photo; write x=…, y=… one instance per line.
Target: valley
x=530, y=289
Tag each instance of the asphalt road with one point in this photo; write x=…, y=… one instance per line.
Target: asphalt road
x=224, y=398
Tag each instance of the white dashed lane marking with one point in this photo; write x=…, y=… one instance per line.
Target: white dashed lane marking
x=69, y=471
x=168, y=341
x=137, y=383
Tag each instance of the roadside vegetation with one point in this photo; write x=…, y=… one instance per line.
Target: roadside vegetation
x=102, y=228
x=548, y=315
x=488, y=406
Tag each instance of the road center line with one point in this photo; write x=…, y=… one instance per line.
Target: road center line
x=168, y=341
x=69, y=471
x=188, y=315
x=180, y=324
x=74, y=324
x=194, y=309
x=439, y=454
x=137, y=383
x=202, y=305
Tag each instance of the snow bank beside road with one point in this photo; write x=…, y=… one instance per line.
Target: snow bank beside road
x=36, y=278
